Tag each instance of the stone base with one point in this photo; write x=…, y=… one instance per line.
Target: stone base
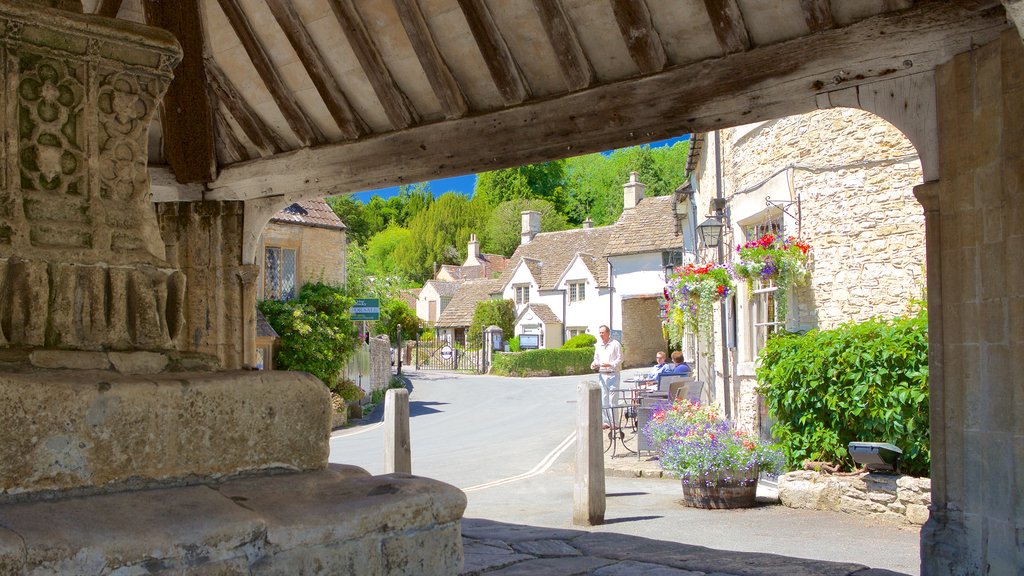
x=898, y=498
x=340, y=521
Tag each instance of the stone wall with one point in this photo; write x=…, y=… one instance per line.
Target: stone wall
x=642, y=336
x=890, y=497
x=976, y=320
x=380, y=363
x=321, y=251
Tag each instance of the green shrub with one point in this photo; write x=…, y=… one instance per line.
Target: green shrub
x=500, y=313
x=513, y=345
x=546, y=362
x=860, y=382
x=317, y=334
x=580, y=341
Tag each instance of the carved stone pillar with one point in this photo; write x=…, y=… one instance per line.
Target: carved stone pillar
x=82, y=263
x=247, y=275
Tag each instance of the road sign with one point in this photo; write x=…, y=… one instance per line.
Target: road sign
x=447, y=352
x=366, y=309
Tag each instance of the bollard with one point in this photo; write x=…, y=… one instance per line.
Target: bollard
x=588, y=489
x=397, y=448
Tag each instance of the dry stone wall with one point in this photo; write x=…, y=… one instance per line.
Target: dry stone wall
x=896, y=498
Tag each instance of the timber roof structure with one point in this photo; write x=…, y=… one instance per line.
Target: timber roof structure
x=295, y=99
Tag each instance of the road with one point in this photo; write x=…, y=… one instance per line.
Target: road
x=504, y=442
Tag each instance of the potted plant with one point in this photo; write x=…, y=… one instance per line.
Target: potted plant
x=772, y=260
x=690, y=295
x=717, y=463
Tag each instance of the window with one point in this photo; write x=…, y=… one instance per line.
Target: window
x=445, y=300
x=574, y=331
x=279, y=266
x=763, y=317
x=577, y=291
x=522, y=293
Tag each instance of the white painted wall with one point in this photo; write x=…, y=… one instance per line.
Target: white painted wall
x=427, y=295
x=593, y=310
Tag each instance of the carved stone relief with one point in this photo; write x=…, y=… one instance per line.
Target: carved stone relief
x=82, y=263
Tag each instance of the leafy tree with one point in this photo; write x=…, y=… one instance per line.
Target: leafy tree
x=500, y=313
x=412, y=200
x=395, y=313
x=381, y=250
x=545, y=180
x=352, y=214
x=317, y=334
x=440, y=234
x=504, y=226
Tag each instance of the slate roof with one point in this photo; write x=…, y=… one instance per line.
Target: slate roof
x=650, y=227
x=263, y=328
x=460, y=310
x=409, y=296
x=556, y=250
x=313, y=212
x=543, y=311
x=444, y=289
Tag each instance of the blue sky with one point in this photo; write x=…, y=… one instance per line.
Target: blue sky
x=464, y=184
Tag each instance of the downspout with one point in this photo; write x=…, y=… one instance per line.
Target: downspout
x=611, y=296
x=726, y=392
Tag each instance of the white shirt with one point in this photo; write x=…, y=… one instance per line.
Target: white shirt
x=607, y=353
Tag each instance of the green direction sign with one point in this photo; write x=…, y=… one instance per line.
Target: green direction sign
x=366, y=309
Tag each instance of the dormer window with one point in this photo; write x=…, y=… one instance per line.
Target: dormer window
x=577, y=291
x=522, y=293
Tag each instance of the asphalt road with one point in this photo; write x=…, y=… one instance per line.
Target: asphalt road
x=504, y=442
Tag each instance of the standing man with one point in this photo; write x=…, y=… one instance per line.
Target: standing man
x=607, y=361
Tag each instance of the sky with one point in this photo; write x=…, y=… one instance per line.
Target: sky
x=464, y=184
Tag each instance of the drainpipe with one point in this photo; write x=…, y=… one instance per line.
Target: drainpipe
x=611, y=297
x=726, y=392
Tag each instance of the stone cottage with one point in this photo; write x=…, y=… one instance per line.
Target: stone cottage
x=842, y=180
x=304, y=242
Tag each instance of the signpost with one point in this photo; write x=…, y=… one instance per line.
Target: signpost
x=366, y=309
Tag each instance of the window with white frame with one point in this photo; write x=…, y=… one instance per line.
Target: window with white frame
x=763, y=317
x=522, y=293
x=577, y=291
x=574, y=331
x=279, y=272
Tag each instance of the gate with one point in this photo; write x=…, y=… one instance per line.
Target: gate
x=450, y=356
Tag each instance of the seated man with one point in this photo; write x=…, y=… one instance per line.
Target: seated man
x=659, y=367
x=679, y=367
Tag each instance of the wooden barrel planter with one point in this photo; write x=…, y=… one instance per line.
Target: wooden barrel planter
x=721, y=490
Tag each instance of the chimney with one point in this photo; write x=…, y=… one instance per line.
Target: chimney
x=588, y=223
x=472, y=252
x=632, y=192
x=531, y=226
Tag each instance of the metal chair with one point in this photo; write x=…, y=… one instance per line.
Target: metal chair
x=694, y=391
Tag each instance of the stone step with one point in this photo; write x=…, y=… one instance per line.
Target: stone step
x=340, y=521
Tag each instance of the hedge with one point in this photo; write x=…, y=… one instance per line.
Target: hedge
x=859, y=382
x=581, y=341
x=545, y=362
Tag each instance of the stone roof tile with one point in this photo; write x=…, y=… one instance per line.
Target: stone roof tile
x=650, y=227
x=459, y=311
x=313, y=212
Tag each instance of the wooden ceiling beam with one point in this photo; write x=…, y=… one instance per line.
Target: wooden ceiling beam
x=234, y=149
x=502, y=65
x=760, y=84
x=642, y=39
x=818, y=14
x=304, y=128
x=576, y=67
x=399, y=110
x=347, y=120
x=187, y=118
x=442, y=82
x=262, y=137
x=727, y=21
x=108, y=8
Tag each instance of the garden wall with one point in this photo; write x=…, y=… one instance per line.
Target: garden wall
x=892, y=497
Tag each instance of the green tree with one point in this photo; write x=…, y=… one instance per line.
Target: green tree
x=440, y=234
x=504, y=226
x=317, y=334
x=395, y=313
x=352, y=214
x=500, y=313
x=381, y=251
x=545, y=180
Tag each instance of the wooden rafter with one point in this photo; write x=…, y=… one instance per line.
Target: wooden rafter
x=108, y=8
x=305, y=129
x=759, y=84
x=576, y=68
x=348, y=121
x=262, y=137
x=399, y=110
x=818, y=14
x=727, y=21
x=504, y=70
x=187, y=118
x=442, y=82
x=234, y=149
x=637, y=29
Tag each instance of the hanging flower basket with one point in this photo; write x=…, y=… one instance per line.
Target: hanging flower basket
x=690, y=295
x=771, y=260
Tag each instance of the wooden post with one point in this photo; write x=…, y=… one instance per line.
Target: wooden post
x=397, y=448
x=588, y=490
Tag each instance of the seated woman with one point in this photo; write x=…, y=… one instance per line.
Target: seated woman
x=679, y=367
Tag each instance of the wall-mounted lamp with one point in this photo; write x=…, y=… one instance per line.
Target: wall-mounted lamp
x=710, y=232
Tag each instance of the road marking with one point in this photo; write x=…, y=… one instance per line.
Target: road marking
x=540, y=468
x=346, y=433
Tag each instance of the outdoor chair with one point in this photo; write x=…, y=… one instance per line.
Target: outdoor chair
x=694, y=391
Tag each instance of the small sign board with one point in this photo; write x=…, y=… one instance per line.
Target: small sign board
x=529, y=341
x=617, y=335
x=366, y=309
x=447, y=352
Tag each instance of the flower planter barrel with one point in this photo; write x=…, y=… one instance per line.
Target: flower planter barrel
x=719, y=495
